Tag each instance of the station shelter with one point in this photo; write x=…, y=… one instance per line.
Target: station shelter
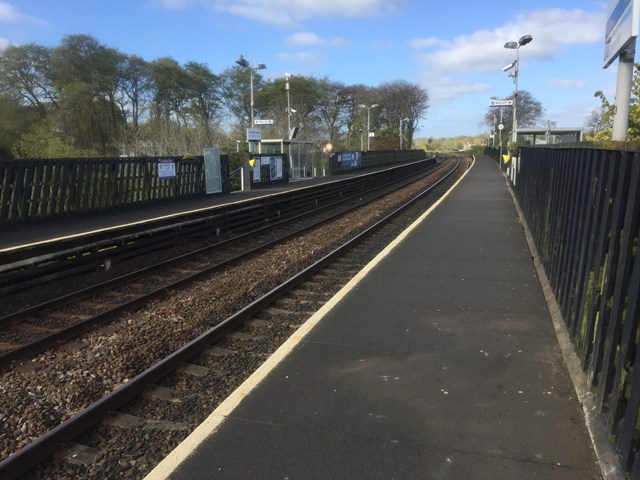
x=300, y=165
x=549, y=136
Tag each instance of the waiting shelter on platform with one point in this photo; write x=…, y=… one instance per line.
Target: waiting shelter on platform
x=297, y=150
x=549, y=136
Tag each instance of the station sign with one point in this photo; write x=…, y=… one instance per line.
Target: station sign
x=500, y=103
x=263, y=122
x=254, y=135
x=622, y=27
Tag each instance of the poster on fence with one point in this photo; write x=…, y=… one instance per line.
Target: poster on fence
x=350, y=159
x=166, y=169
x=275, y=168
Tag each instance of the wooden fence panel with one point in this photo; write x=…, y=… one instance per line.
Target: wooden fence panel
x=38, y=189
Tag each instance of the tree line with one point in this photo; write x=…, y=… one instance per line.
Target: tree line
x=83, y=98
x=600, y=122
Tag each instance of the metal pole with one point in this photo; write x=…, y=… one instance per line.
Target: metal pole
x=368, y=135
x=500, y=132
x=515, y=97
x=401, y=120
x=251, y=69
x=289, y=125
x=494, y=131
x=623, y=94
x=251, y=145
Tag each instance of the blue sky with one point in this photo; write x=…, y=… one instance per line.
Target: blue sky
x=454, y=49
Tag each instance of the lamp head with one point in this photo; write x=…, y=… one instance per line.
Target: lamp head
x=242, y=61
x=513, y=45
x=508, y=67
x=524, y=40
x=260, y=66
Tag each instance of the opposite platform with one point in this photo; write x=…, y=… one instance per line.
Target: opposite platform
x=439, y=361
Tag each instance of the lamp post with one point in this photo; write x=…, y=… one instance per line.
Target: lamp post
x=287, y=76
x=368, y=122
x=252, y=68
x=402, y=120
x=493, y=133
x=516, y=45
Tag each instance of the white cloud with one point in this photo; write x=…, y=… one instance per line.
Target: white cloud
x=309, y=58
x=175, y=4
x=446, y=89
x=288, y=13
x=483, y=51
x=567, y=83
x=9, y=14
x=383, y=45
x=423, y=43
x=4, y=43
x=305, y=39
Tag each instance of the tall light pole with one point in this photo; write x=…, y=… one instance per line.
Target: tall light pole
x=260, y=66
x=287, y=76
x=493, y=133
x=516, y=45
x=402, y=120
x=369, y=122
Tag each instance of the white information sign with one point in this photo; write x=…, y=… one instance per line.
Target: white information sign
x=254, y=134
x=166, y=169
x=622, y=26
x=263, y=122
x=500, y=103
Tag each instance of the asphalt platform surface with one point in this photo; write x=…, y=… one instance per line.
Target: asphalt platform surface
x=440, y=363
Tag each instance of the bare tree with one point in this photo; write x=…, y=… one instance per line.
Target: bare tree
x=403, y=104
x=529, y=112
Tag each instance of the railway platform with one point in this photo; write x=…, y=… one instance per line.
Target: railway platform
x=438, y=361
x=13, y=236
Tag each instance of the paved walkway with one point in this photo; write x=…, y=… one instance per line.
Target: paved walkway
x=440, y=363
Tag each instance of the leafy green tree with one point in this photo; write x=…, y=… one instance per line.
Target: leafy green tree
x=600, y=122
x=333, y=107
x=86, y=76
x=235, y=90
x=26, y=75
x=42, y=140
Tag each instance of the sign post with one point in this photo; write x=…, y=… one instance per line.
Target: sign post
x=620, y=42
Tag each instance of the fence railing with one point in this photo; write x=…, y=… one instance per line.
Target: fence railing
x=38, y=189
x=362, y=160
x=582, y=206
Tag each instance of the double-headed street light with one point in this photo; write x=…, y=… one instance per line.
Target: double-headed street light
x=516, y=65
x=368, y=122
x=287, y=76
x=260, y=66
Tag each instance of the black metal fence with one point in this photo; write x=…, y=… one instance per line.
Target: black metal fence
x=38, y=189
x=582, y=206
x=362, y=160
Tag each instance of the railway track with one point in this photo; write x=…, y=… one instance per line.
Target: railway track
x=154, y=402
x=40, y=263
x=32, y=330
